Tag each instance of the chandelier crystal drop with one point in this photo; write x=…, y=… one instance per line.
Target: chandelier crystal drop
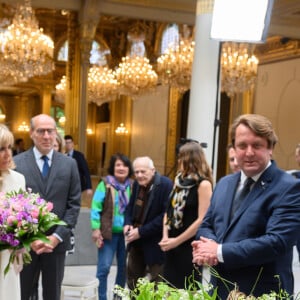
x=26, y=51
x=136, y=76
x=174, y=67
x=102, y=85
x=239, y=68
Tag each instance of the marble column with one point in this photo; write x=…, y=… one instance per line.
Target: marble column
x=204, y=85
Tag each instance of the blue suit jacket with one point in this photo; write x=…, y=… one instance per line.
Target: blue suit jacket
x=151, y=229
x=260, y=236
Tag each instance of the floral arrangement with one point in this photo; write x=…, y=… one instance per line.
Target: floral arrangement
x=147, y=290
x=24, y=218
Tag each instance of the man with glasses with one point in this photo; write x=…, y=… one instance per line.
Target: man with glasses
x=55, y=177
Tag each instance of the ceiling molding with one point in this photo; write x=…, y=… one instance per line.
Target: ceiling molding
x=148, y=13
x=285, y=31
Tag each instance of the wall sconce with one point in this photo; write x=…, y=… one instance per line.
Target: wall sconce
x=62, y=121
x=2, y=117
x=89, y=131
x=121, y=130
x=23, y=127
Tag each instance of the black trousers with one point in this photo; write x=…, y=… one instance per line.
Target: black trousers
x=51, y=266
x=137, y=267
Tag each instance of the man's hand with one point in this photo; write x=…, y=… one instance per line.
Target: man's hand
x=126, y=229
x=40, y=247
x=54, y=241
x=132, y=235
x=205, y=252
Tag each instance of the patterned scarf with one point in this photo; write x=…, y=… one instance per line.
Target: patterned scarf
x=178, y=198
x=121, y=188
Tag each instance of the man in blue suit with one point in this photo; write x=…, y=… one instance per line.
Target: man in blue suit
x=253, y=246
x=144, y=221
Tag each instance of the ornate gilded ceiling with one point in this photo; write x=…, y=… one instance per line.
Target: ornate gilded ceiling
x=114, y=19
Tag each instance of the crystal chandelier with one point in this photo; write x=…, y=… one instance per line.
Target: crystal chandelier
x=174, y=67
x=121, y=129
x=26, y=51
x=239, y=68
x=135, y=76
x=60, y=90
x=102, y=85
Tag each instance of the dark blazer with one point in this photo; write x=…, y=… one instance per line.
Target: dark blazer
x=62, y=188
x=151, y=229
x=261, y=235
x=84, y=173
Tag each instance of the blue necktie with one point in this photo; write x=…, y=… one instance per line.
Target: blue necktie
x=46, y=167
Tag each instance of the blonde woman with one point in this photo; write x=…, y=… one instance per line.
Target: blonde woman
x=59, y=143
x=9, y=181
x=188, y=203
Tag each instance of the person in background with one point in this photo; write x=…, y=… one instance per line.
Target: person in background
x=59, y=143
x=59, y=183
x=143, y=221
x=250, y=243
x=19, y=146
x=84, y=173
x=297, y=154
x=296, y=174
x=233, y=165
x=9, y=181
x=107, y=220
x=188, y=203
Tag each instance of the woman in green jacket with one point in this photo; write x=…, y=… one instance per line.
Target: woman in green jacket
x=107, y=220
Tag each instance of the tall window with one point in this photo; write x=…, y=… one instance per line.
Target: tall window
x=98, y=54
x=170, y=37
x=58, y=114
x=63, y=52
x=137, y=48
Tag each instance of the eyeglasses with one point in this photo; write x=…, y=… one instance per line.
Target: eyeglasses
x=42, y=131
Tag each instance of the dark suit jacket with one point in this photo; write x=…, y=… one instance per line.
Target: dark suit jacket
x=151, y=229
x=84, y=173
x=62, y=188
x=260, y=236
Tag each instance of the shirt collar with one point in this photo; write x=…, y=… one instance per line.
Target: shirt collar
x=255, y=177
x=38, y=154
x=70, y=153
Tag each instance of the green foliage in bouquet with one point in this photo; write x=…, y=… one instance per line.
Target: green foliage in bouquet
x=147, y=290
x=24, y=218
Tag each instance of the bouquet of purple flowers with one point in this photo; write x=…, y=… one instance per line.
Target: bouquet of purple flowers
x=24, y=218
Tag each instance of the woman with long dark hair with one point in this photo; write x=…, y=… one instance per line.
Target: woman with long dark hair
x=188, y=203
